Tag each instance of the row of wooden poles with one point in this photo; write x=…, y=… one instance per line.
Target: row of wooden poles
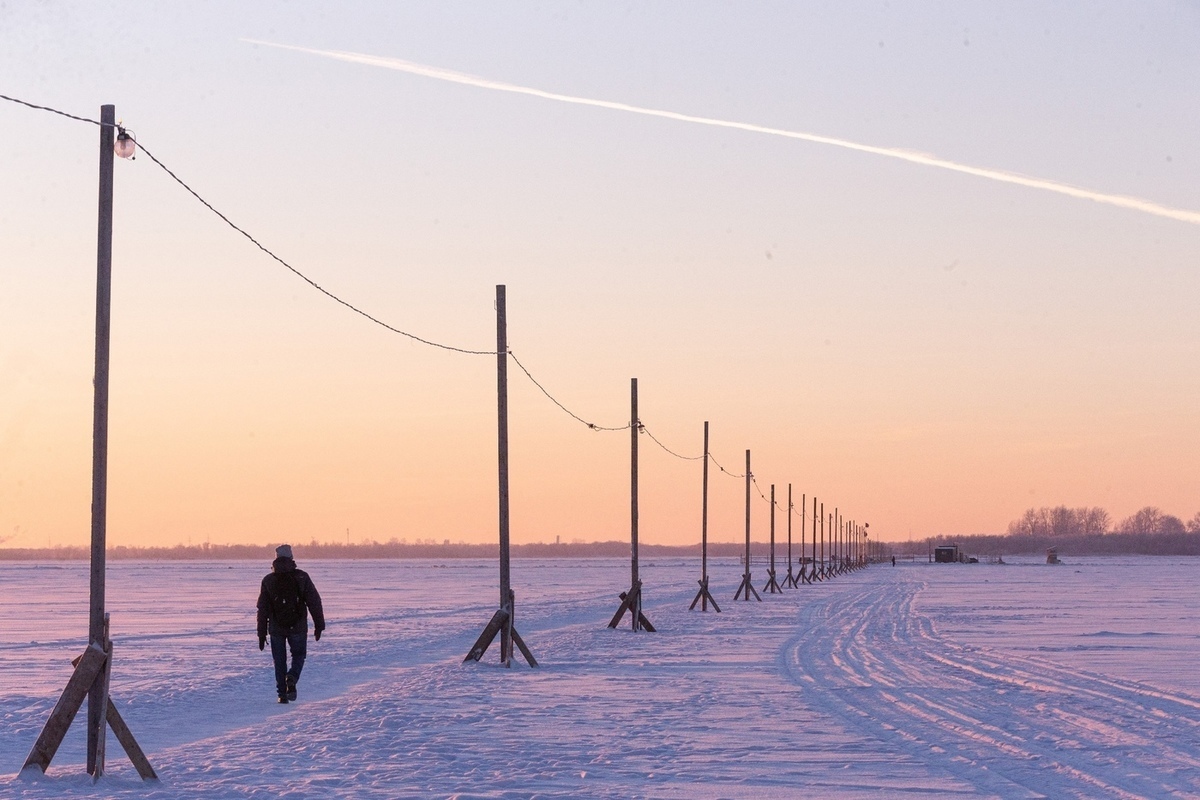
x=93, y=669
x=846, y=539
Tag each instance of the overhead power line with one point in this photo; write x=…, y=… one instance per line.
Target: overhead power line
x=255, y=241
x=195, y=194
x=569, y=412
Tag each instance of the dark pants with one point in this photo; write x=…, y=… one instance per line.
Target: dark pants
x=281, y=642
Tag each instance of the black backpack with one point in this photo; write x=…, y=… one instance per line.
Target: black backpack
x=287, y=606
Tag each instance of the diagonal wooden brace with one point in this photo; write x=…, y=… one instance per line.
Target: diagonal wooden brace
x=746, y=586
x=703, y=597
x=772, y=584
x=632, y=601
x=497, y=622
x=627, y=602
x=125, y=737
x=87, y=669
x=524, y=650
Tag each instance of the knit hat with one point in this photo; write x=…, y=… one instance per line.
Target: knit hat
x=283, y=551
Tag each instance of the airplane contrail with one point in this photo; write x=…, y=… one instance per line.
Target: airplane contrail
x=1122, y=201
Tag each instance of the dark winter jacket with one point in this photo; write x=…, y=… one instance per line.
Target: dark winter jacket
x=308, y=592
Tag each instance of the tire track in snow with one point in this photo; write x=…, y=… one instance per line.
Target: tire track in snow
x=1009, y=725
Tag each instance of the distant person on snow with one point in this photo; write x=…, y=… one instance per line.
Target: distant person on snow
x=893, y=561
x=286, y=599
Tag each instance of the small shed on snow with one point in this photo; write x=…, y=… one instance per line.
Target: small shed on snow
x=945, y=554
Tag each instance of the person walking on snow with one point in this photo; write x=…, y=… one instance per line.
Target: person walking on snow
x=285, y=600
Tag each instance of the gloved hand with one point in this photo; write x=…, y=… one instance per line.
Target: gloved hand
x=262, y=643
x=317, y=634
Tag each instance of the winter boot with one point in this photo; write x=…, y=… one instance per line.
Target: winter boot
x=291, y=687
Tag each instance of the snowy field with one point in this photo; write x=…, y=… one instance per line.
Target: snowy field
x=1011, y=681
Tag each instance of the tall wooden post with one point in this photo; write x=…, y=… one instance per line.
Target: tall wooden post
x=746, y=586
x=502, y=461
x=772, y=585
x=824, y=571
x=92, y=670
x=95, y=717
x=813, y=565
x=791, y=579
x=703, y=596
x=837, y=534
x=772, y=529
x=844, y=533
x=832, y=561
x=502, y=622
x=805, y=572
x=632, y=600
x=841, y=534
x=633, y=493
x=704, y=515
x=789, y=532
x=835, y=541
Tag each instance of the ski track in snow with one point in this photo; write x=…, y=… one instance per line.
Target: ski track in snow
x=1010, y=725
x=843, y=689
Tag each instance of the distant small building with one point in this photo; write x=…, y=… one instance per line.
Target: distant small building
x=945, y=554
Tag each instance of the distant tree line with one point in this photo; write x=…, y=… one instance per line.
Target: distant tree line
x=1078, y=531
x=391, y=549
x=1059, y=521
x=1098, y=544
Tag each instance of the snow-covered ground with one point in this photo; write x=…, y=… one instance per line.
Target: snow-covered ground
x=1018, y=680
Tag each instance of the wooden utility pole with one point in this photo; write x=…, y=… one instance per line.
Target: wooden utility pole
x=844, y=548
x=631, y=601
x=772, y=585
x=790, y=580
x=747, y=587
x=502, y=621
x=805, y=569
x=703, y=596
x=831, y=568
x=634, y=423
x=93, y=668
x=97, y=695
x=837, y=537
x=835, y=542
x=813, y=558
x=824, y=569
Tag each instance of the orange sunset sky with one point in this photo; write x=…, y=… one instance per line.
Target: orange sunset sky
x=931, y=351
